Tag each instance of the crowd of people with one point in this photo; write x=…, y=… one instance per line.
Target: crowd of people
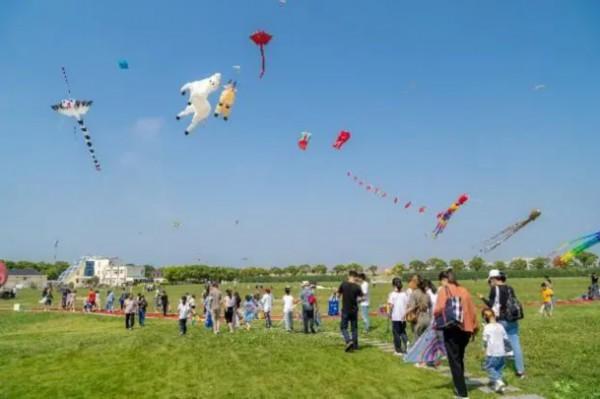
x=442, y=318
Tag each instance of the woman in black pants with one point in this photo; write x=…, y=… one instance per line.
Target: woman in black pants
x=456, y=338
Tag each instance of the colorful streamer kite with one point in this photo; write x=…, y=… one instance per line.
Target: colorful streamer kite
x=304, y=140
x=444, y=217
x=573, y=248
x=380, y=192
x=342, y=138
x=261, y=39
x=495, y=241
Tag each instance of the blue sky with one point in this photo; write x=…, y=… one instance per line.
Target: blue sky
x=439, y=97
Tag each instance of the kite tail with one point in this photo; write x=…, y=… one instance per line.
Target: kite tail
x=262, y=67
x=88, y=142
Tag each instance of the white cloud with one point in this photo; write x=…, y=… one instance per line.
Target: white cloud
x=539, y=87
x=148, y=128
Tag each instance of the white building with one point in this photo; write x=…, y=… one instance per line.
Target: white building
x=109, y=271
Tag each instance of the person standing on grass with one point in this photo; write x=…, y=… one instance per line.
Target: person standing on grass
x=142, y=305
x=398, y=302
x=249, y=311
x=229, y=301
x=91, y=300
x=122, y=300
x=238, y=316
x=494, y=337
x=456, y=337
x=419, y=306
x=215, y=306
x=98, y=302
x=288, y=310
x=130, y=309
x=71, y=301
x=267, y=306
x=501, y=295
x=164, y=302
x=110, y=301
x=364, y=304
x=594, y=287
x=308, y=309
x=547, y=294
x=183, y=310
x=350, y=292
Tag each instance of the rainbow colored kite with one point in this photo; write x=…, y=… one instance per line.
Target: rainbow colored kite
x=444, y=217
x=575, y=247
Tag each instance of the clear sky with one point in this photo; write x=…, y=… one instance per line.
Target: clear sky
x=439, y=96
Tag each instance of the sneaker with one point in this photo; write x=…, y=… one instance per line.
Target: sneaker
x=349, y=346
x=499, y=386
x=399, y=354
x=521, y=376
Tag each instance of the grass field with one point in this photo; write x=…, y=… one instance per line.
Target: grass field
x=89, y=356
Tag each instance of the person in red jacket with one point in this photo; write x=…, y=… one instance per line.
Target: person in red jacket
x=456, y=338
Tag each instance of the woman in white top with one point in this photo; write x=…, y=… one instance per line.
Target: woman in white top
x=398, y=302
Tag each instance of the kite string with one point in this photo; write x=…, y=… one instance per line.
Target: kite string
x=64, y=72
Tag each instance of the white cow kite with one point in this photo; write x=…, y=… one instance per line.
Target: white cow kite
x=198, y=102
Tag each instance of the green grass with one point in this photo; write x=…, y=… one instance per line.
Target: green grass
x=87, y=356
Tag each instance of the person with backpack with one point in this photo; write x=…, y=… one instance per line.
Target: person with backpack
x=455, y=315
x=508, y=310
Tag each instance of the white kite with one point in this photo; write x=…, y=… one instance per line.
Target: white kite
x=198, y=101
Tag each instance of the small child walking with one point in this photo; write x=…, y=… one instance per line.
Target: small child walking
x=547, y=295
x=495, y=341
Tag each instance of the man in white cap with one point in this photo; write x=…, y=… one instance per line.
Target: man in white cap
x=503, y=301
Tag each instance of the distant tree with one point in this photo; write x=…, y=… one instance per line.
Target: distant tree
x=518, y=264
x=436, y=264
x=304, y=269
x=149, y=271
x=540, y=263
x=276, y=271
x=292, y=270
x=587, y=259
x=398, y=269
x=499, y=265
x=373, y=270
x=339, y=269
x=319, y=269
x=477, y=263
x=457, y=264
x=355, y=266
x=94, y=281
x=417, y=265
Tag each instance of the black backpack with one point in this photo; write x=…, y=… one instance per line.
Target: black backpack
x=514, y=309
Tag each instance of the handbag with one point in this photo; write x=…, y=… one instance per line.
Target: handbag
x=452, y=315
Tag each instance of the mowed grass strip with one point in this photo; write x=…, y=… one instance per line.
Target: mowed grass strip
x=79, y=356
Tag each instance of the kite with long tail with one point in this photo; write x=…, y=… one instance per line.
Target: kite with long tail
x=495, y=241
x=573, y=248
x=77, y=109
x=444, y=217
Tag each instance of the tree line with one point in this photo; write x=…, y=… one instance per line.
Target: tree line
x=201, y=273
